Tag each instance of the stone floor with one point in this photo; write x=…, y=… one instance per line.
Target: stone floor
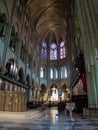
x=49, y=120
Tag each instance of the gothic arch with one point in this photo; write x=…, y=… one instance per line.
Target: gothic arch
x=3, y=23
x=43, y=89
x=65, y=92
x=21, y=75
x=53, y=85
x=5, y=10
x=63, y=87
x=54, y=93
x=4, y=18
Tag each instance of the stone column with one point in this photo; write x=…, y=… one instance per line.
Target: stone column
x=93, y=38
x=8, y=33
x=88, y=41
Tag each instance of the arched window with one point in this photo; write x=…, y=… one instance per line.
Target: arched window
x=19, y=8
x=44, y=50
x=62, y=50
x=3, y=24
x=53, y=51
x=63, y=72
x=41, y=72
x=55, y=73
x=51, y=73
x=11, y=68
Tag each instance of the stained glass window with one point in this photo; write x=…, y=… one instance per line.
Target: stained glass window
x=53, y=51
x=62, y=50
x=44, y=50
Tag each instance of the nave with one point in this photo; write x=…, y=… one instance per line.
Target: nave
x=49, y=119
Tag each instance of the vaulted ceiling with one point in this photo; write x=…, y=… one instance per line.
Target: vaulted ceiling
x=50, y=18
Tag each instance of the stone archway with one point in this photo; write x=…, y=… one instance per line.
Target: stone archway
x=43, y=92
x=65, y=93
x=3, y=23
x=54, y=93
x=21, y=75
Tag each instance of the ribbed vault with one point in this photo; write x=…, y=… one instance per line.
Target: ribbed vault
x=50, y=18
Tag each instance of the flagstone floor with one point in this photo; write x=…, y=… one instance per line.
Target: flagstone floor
x=50, y=120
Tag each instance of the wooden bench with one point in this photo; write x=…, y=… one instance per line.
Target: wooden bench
x=91, y=112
